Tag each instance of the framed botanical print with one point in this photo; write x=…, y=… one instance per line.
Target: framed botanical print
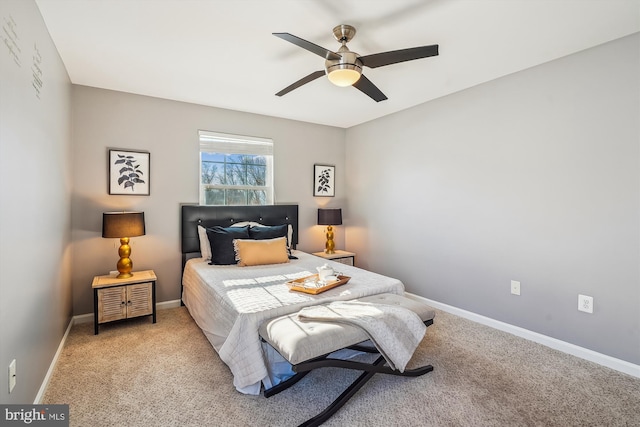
x=129, y=172
x=324, y=180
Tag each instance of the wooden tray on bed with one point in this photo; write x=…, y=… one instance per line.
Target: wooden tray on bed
x=299, y=285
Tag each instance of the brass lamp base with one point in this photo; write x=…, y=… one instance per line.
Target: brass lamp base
x=330, y=246
x=125, y=265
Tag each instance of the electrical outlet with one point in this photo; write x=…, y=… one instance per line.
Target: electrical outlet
x=515, y=287
x=12, y=375
x=585, y=303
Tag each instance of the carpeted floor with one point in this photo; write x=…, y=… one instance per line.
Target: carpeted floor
x=137, y=373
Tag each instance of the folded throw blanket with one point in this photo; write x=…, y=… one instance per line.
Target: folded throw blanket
x=395, y=331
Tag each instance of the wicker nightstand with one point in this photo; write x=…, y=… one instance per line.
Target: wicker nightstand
x=117, y=299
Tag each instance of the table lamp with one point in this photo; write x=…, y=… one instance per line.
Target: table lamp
x=330, y=217
x=123, y=225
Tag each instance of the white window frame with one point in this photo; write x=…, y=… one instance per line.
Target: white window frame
x=222, y=143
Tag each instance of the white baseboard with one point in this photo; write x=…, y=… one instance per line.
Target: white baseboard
x=168, y=304
x=565, y=347
x=86, y=318
x=82, y=318
x=47, y=377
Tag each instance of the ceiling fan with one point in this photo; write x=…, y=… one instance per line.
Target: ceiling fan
x=344, y=67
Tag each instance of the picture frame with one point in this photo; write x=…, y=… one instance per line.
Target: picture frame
x=129, y=172
x=324, y=179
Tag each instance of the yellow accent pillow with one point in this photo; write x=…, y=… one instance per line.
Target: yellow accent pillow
x=261, y=252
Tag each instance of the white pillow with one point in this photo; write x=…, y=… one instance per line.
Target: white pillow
x=290, y=237
x=205, y=247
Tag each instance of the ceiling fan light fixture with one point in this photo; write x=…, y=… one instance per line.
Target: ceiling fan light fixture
x=343, y=77
x=346, y=70
x=344, y=67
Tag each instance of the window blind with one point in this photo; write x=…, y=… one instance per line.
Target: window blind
x=234, y=144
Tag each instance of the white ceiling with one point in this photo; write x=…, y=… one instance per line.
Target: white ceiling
x=221, y=53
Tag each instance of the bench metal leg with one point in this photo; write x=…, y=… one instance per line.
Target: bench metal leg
x=359, y=366
x=370, y=369
x=343, y=398
x=285, y=384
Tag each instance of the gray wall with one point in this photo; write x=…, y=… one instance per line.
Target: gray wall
x=35, y=292
x=532, y=177
x=105, y=119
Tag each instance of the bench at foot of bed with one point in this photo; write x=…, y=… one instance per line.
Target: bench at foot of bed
x=307, y=345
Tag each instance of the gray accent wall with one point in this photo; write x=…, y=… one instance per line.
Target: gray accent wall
x=168, y=130
x=35, y=190
x=533, y=177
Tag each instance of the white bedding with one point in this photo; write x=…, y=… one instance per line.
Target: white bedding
x=229, y=303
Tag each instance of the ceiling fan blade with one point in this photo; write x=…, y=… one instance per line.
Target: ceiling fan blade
x=311, y=47
x=365, y=86
x=402, y=55
x=311, y=77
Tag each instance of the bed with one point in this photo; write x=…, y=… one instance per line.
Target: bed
x=229, y=302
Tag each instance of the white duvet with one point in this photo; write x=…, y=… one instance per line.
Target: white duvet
x=229, y=303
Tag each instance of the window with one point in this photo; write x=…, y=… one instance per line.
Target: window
x=235, y=170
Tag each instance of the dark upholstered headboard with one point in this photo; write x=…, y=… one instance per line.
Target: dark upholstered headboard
x=193, y=215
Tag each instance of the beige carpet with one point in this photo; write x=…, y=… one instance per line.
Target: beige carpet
x=137, y=373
